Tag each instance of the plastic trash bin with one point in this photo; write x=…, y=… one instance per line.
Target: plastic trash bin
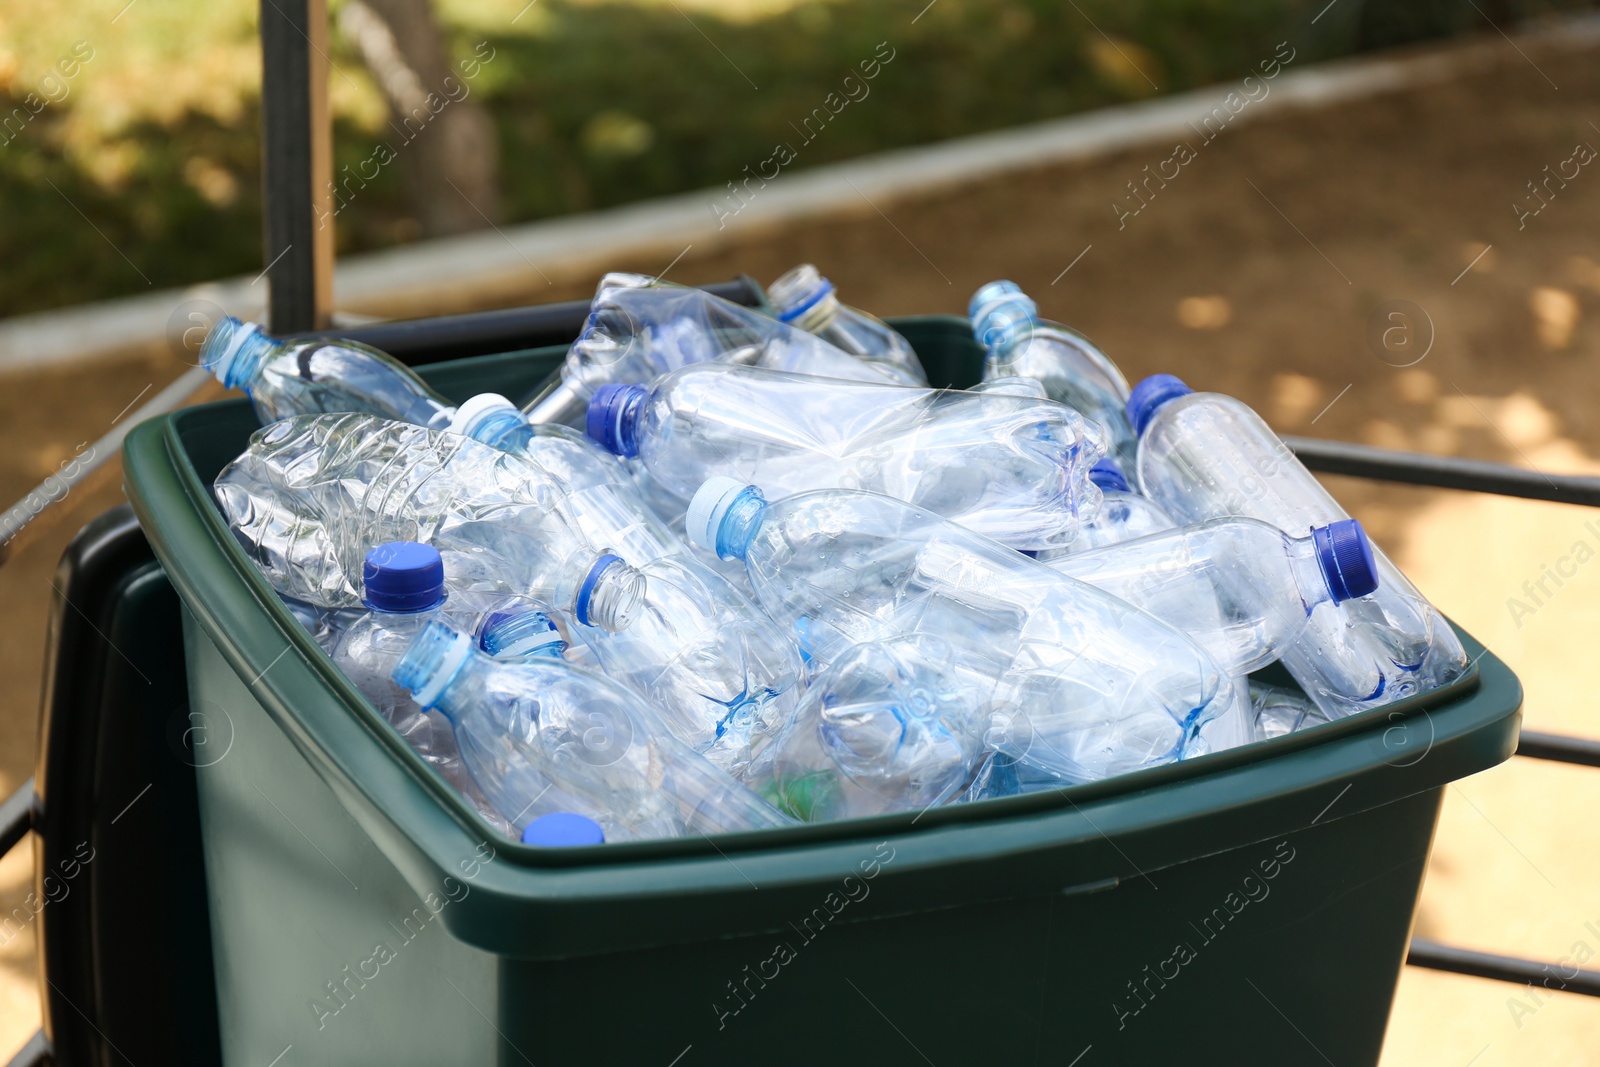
x=1252, y=906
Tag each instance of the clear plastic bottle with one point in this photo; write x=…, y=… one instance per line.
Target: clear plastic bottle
x=640, y=328
x=545, y=736
x=1005, y=320
x=1012, y=467
x=724, y=678
x=1206, y=456
x=1242, y=589
x=403, y=586
x=288, y=378
x=1074, y=681
x=804, y=298
x=888, y=727
x=312, y=493
x=1123, y=516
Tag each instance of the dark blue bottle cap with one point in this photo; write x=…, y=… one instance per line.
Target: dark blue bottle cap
x=563, y=829
x=402, y=577
x=603, y=420
x=1345, y=554
x=1108, y=476
x=1149, y=395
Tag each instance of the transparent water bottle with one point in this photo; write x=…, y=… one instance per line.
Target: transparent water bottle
x=640, y=328
x=1205, y=456
x=1123, y=516
x=312, y=493
x=1079, y=683
x=723, y=677
x=403, y=586
x=1012, y=467
x=288, y=378
x=804, y=298
x=545, y=736
x=1242, y=589
x=1006, y=322
x=888, y=727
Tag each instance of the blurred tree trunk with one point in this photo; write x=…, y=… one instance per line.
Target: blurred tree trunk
x=445, y=140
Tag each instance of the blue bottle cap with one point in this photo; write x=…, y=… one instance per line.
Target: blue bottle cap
x=520, y=632
x=1148, y=396
x=563, y=829
x=1345, y=554
x=604, y=419
x=403, y=577
x=1108, y=476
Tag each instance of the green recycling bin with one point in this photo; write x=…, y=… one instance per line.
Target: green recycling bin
x=1249, y=907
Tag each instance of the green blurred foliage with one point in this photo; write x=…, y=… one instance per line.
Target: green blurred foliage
x=599, y=104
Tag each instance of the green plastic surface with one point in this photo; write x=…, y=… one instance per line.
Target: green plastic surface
x=997, y=932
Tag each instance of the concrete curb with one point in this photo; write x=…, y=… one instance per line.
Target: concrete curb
x=512, y=264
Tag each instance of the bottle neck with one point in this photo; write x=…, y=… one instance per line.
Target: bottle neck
x=820, y=315
x=433, y=666
x=739, y=525
x=1310, y=580
x=601, y=591
x=630, y=420
x=235, y=352
x=506, y=430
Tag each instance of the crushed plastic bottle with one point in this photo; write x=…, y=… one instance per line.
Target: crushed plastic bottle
x=544, y=736
x=1077, y=682
x=804, y=298
x=312, y=493
x=640, y=328
x=888, y=727
x=1005, y=320
x=1242, y=589
x=1206, y=456
x=1011, y=467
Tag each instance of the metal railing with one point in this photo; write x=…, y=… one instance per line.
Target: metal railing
x=1444, y=472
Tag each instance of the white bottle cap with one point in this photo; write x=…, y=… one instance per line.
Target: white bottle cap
x=706, y=509
x=474, y=408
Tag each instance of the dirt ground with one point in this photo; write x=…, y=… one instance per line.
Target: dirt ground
x=1264, y=269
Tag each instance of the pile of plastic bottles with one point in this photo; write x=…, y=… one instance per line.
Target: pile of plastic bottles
x=737, y=568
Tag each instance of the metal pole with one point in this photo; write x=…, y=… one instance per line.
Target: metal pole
x=296, y=164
